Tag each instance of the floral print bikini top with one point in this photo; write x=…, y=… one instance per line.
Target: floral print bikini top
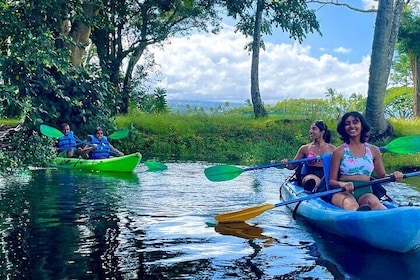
x=352, y=165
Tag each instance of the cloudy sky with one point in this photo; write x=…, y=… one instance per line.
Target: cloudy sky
x=217, y=68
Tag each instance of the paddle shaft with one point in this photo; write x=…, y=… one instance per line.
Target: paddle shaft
x=252, y=212
x=276, y=164
x=321, y=194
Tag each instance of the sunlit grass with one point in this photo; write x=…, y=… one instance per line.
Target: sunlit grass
x=10, y=122
x=241, y=139
x=404, y=127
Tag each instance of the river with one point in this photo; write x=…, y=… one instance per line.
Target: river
x=64, y=224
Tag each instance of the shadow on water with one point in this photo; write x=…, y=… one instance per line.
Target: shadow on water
x=363, y=262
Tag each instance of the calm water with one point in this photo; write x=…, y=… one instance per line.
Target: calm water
x=58, y=224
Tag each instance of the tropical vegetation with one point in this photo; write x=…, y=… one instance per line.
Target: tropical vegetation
x=74, y=61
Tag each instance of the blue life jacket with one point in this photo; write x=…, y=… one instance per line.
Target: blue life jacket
x=103, y=148
x=66, y=142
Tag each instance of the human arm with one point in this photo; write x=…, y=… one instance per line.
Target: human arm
x=115, y=150
x=299, y=155
x=379, y=165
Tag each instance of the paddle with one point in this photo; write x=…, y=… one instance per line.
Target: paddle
x=50, y=131
x=119, y=134
x=55, y=133
x=155, y=166
x=252, y=212
x=218, y=173
x=403, y=145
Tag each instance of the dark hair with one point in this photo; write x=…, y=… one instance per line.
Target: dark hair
x=364, y=135
x=98, y=128
x=322, y=126
x=63, y=126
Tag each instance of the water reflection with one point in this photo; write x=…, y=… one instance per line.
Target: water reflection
x=64, y=224
x=361, y=262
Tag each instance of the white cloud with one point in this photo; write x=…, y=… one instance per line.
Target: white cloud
x=369, y=4
x=342, y=50
x=217, y=68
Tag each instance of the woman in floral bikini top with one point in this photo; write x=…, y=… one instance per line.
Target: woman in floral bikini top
x=353, y=163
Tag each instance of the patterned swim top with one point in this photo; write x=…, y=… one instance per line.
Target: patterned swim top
x=311, y=154
x=352, y=165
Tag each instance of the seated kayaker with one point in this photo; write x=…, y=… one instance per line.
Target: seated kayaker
x=312, y=171
x=67, y=144
x=101, y=148
x=353, y=163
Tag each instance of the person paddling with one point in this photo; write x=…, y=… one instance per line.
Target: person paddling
x=101, y=148
x=320, y=145
x=353, y=163
x=67, y=144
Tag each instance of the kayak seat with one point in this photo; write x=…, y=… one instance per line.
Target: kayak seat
x=310, y=184
x=324, y=185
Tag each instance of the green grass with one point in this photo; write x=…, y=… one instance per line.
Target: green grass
x=238, y=139
x=10, y=122
x=235, y=138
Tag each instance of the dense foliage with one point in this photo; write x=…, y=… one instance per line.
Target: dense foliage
x=78, y=62
x=38, y=79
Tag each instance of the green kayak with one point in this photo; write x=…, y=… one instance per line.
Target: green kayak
x=125, y=163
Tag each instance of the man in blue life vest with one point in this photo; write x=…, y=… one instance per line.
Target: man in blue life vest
x=67, y=144
x=101, y=148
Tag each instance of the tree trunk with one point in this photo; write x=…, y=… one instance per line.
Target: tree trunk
x=259, y=110
x=80, y=33
x=415, y=64
x=384, y=39
x=126, y=89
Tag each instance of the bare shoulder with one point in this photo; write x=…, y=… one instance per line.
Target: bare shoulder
x=374, y=149
x=304, y=148
x=331, y=147
x=339, y=151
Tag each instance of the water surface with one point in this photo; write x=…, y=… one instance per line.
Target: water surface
x=63, y=224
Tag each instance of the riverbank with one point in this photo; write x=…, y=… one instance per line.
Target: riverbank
x=222, y=138
x=238, y=139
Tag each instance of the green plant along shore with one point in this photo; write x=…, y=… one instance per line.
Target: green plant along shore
x=219, y=138
x=237, y=139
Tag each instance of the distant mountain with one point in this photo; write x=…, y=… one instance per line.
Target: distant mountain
x=185, y=106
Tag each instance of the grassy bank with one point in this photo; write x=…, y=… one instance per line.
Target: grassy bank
x=236, y=139
x=229, y=138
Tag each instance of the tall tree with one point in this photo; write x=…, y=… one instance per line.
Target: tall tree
x=257, y=17
x=408, y=42
x=384, y=40
x=124, y=29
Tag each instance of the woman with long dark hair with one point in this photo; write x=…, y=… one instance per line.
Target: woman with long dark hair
x=353, y=163
x=314, y=171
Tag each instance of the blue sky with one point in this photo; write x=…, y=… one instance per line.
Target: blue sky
x=217, y=68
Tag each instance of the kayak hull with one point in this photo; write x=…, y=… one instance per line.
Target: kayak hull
x=395, y=229
x=126, y=163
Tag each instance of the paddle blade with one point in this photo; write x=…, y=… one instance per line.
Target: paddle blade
x=243, y=215
x=220, y=173
x=155, y=166
x=404, y=145
x=242, y=230
x=119, y=134
x=50, y=131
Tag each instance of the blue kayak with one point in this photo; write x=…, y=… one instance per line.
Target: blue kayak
x=395, y=229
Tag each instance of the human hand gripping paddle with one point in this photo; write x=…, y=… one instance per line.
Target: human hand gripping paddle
x=252, y=212
x=402, y=145
x=116, y=135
